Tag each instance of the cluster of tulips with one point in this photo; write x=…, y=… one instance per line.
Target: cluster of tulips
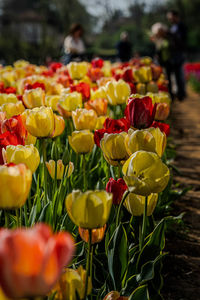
x=83, y=167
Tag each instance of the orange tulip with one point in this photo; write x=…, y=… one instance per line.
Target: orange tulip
x=97, y=234
x=31, y=260
x=162, y=111
x=99, y=105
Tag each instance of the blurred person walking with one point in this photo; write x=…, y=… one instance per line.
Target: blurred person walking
x=177, y=40
x=74, y=48
x=124, y=47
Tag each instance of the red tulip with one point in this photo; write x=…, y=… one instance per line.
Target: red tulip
x=12, y=132
x=111, y=126
x=98, y=135
x=117, y=188
x=31, y=260
x=163, y=127
x=116, y=126
x=35, y=85
x=97, y=63
x=83, y=88
x=54, y=66
x=140, y=112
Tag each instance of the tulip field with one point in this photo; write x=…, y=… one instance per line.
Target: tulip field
x=86, y=183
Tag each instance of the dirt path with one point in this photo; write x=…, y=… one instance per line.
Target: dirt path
x=182, y=273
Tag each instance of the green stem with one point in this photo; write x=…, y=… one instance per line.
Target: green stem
x=84, y=174
x=120, y=207
x=25, y=215
x=18, y=218
x=88, y=263
x=119, y=171
x=144, y=223
x=44, y=155
x=6, y=218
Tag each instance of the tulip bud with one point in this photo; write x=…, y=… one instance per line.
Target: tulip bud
x=162, y=111
x=84, y=119
x=15, y=184
x=82, y=142
x=34, y=98
x=71, y=283
x=27, y=155
x=61, y=169
x=117, y=188
x=68, y=103
x=89, y=210
x=42, y=122
x=113, y=148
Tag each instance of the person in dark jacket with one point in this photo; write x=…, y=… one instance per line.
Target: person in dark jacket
x=177, y=42
x=124, y=47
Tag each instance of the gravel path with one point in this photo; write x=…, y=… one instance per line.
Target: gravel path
x=182, y=271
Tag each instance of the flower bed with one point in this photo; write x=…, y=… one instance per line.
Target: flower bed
x=192, y=73
x=84, y=150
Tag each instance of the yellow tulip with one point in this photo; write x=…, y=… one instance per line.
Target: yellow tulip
x=27, y=155
x=72, y=282
x=8, y=98
x=160, y=139
x=15, y=184
x=160, y=97
x=135, y=204
x=20, y=63
x=140, y=140
x=42, y=122
x=77, y=70
x=84, y=119
x=100, y=122
x=34, y=98
x=98, y=94
x=59, y=126
x=12, y=109
x=117, y=92
x=61, y=169
x=143, y=74
x=146, y=60
x=52, y=101
x=69, y=102
x=114, y=149
x=145, y=173
x=30, y=139
x=89, y=210
x=82, y=142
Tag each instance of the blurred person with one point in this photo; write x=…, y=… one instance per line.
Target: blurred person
x=74, y=47
x=177, y=39
x=124, y=47
x=159, y=35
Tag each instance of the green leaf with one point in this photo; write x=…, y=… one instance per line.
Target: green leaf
x=154, y=245
x=148, y=270
x=141, y=293
x=118, y=256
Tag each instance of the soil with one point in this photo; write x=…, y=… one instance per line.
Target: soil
x=182, y=265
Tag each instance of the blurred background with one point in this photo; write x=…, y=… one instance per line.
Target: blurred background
x=35, y=29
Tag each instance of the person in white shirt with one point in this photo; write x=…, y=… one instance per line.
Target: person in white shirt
x=73, y=44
